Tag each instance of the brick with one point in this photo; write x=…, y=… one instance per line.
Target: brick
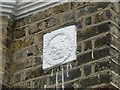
x=37, y=83
x=79, y=24
x=114, y=30
x=28, y=75
x=68, y=17
x=27, y=63
x=115, y=67
x=18, y=44
x=8, y=67
x=38, y=61
x=84, y=58
x=102, y=5
x=37, y=72
x=115, y=79
x=53, y=21
x=87, y=45
x=115, y=42
x=73, y=74
x=77, y=4
x=102, y=41
x=102, y=16
x=102, y=66
x=88, y=21
x=7, y=42
x=84, y=83
x=33, y=50
x=17, y=78
x=79, y=48
x=94, y=80
x=114, y=54
x=87, y=70
x=87, y=33
x=104, y=78
x=85, y=10
x=18, y=33
x=34, y=29
x=101, y=53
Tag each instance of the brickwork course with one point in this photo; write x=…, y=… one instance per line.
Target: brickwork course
x=98, y=47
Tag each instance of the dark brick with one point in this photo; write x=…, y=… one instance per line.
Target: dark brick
x=101, y=41
x=37, y=72
x=83, y=83
x=79, y=24
x=88, y=45
x=104, y=78
x=86, y=10
x=79, y=47
x=102, y=65
x=90, y=32
x=88, y=21
x=84, y=58
x=87, y=70
x=73, y=74
x=94, y=80
x=101, y=53
x=102, y=5
x=17, y=78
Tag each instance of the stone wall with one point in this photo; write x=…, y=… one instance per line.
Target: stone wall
x=98, y=47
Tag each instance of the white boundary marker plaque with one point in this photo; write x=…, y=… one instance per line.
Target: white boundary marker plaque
x=59, y=47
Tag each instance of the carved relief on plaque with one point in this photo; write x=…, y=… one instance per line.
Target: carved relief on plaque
x=59, y=47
